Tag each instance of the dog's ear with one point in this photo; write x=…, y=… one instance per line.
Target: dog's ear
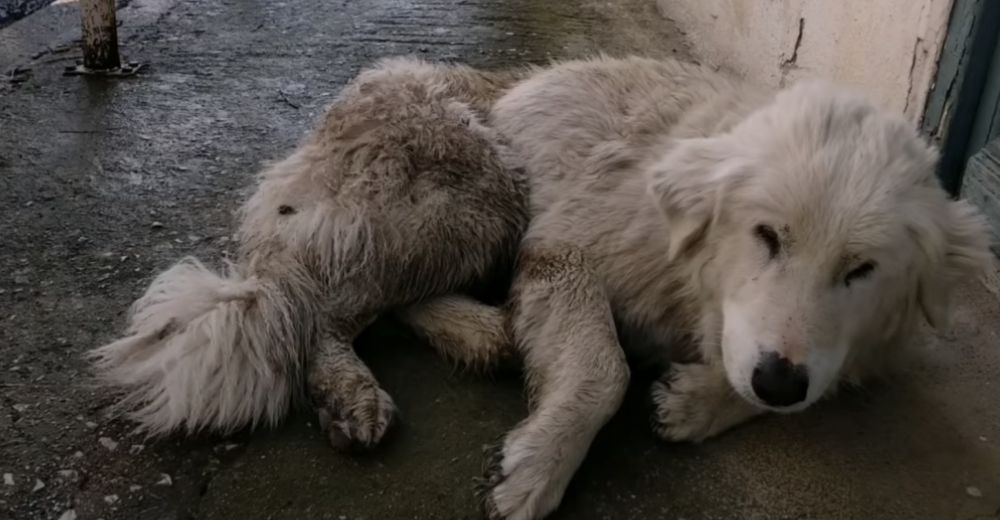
x=959, y=251
x=688, y=184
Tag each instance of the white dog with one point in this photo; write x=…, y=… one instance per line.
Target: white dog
x=399, y=195
x=769, y=245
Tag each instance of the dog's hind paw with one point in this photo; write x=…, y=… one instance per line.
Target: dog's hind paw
x=359, y=419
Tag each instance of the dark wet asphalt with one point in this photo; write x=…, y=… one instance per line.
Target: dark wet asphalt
x=13, y=10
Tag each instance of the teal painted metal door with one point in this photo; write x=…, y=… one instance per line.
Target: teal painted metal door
x=982, y=185
x=982, y=177
x=963, y=109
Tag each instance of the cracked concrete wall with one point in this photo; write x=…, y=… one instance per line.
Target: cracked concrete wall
x=888, y=48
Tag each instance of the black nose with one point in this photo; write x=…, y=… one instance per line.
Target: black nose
x=778, y=382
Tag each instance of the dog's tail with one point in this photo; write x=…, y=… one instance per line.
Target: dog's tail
x=210, y=351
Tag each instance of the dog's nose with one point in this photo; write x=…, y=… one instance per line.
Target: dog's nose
x=778, y=382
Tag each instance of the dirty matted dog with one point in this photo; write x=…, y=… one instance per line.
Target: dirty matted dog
x=770, y=245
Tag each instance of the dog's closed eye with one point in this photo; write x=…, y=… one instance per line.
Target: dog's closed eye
x=769, y=237
x=859, y=273
x=285, y=210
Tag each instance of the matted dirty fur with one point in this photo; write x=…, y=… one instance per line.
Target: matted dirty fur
x=400, y=194
x=769, y=246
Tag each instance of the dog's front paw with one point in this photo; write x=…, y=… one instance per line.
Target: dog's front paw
x=524, y=477
x=689, y=403
x=356, y=417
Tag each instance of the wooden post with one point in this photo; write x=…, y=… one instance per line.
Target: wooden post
x=100, y=35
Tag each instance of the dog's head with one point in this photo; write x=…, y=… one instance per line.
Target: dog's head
x=824, y=233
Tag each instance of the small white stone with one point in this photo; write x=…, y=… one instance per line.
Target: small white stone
x=165, y=480
x=20, y=408
x=78, y=455
x=39, y=485
x=68, y=474
x=134, y=487
x=136, y=448
x=110, y=499
x=90, y=424
x=108, y=443
x=983, y=438
x=974, y=492
x=8, y=479
x=68, y=514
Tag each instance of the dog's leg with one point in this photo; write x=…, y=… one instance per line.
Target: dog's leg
x=577, y=375
x=462, y=330
x=353, y=409
x=693, y=402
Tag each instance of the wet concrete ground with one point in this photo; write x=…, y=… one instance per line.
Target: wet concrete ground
x=104, y=183
x=13, y=10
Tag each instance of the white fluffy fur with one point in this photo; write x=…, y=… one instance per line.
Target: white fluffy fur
x=648, y=183
x=656, y=175
x=203, y=350
x=400, y=194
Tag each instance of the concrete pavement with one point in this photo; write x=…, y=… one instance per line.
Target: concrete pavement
x=104, y=183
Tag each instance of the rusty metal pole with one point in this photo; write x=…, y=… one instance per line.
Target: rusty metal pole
x=100, y=35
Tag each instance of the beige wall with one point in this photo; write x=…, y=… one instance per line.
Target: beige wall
x=887, y=47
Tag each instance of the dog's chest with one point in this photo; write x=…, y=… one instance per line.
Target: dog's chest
x=656, y=344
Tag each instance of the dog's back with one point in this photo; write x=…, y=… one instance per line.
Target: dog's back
x=400, y=194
